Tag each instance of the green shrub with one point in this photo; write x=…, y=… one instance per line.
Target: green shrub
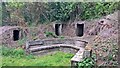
x=30, y=56
x=22, y=41
x=50, y=34
x=85, y=11
x=19, y=52
x=7, y=51
x=86, y=63
x=58, y=11
x=97, y=9
x=61, y=37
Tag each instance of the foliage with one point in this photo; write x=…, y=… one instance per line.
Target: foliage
x=39, y=12
x=86, y=63
x=56, y=59
x=95, y=10
x=61, y=11
x=5, y=14
x=15, y=52
x=22, y=41
x=15, y=5
x=50, y=34
x=34, y=12
x=19, y=52
x=0, y=14
x=61, y=37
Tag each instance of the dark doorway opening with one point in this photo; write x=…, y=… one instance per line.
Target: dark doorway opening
x=57, y=29
x=80, y=29
x=16, y=35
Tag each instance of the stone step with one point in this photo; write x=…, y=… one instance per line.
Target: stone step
x=53, y=46
x=78, y=56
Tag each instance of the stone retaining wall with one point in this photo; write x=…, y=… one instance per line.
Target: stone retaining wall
x=45, y=42
x=46, y=46
x=52, y=50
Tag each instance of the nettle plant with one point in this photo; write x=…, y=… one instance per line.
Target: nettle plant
x=86, y=63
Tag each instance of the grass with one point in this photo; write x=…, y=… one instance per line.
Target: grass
x=56, y=59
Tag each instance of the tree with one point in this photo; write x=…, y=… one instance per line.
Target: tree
x=5, y=14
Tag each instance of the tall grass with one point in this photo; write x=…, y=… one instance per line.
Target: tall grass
x=17, y=57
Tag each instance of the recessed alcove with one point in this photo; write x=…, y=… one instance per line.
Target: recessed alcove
x=57, y=29
x=80, y=30
x=15, y=35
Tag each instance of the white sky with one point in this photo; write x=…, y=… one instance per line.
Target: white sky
x=59, y=0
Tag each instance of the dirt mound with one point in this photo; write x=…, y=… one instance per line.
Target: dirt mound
x=103, y=29
x=104, y=43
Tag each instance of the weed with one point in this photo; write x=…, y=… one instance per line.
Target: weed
x=19, y=52
x=50, y=34
x=21, y=41
x=86, y=63
x=61, y=37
